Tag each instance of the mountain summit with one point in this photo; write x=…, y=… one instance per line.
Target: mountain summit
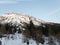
x=18, y=18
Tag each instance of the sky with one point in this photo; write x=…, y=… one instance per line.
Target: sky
x=47, y=10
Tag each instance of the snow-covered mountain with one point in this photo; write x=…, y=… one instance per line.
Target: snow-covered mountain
x=22, y=29
x=19, y=18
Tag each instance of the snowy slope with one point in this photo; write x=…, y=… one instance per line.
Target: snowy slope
x=19, y=18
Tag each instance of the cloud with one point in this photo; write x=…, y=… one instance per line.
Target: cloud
x=51, y=13
x=51, y=16
x=11, y=1
x=54, y=11
x=8, y=2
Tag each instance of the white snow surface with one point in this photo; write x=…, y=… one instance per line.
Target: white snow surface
x=17, y=41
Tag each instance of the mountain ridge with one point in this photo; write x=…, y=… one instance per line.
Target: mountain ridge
x=30, y=27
